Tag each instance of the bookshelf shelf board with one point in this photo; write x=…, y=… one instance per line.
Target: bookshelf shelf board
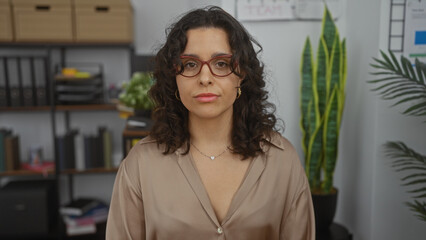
x=86, y=107
x=66, y=44
x=135, y=133
x=64, y=78
x=22, y=172
x=24, y=109
x=90, y=171
x=82, y=107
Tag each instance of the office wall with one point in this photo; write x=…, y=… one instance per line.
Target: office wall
x=153, y=17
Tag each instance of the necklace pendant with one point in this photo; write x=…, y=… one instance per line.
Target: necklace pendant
x=212, y=157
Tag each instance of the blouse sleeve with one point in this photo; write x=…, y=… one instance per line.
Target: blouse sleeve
x=299, y=222
x=126, y=215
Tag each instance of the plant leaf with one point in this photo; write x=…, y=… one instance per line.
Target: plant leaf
x=387, y=61
x=405, y=158
x=420, y=71
x=321, y=75
x=419, y=208
x=401, y=94
x=330, y=139
x=307, y=74
x=404, y=84
x=395, y=62
x=415, y=182
x=410, y=70
x=418, y=190
x=315, y=158
x=328, y=29
x=406, y=100
x=414, y=109
x=384, y=79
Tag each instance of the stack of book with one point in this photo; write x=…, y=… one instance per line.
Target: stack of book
x=66, y=150
x=76, y=151
x=98, y=149
x=81, y=216
x=9, y=151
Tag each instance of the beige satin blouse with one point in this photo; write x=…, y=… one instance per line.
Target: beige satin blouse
x=162, y=197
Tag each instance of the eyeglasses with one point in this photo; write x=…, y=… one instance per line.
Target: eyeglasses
x=219, y=66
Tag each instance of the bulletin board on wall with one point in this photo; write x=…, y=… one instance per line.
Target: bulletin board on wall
x=285, y=10
x=407, y=28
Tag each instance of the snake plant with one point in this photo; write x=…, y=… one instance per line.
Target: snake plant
x=401, y=82
x=322, y=101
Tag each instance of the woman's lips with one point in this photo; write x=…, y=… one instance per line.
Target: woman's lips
x=206, y=97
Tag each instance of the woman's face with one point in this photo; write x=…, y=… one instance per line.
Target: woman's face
x=205, y=95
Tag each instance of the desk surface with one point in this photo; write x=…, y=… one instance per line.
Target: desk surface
x=335, y=232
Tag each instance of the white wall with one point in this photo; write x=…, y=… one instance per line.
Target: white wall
x=358, y=137
x=153, y=17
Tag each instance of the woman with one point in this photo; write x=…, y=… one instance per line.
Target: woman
x=213, y=167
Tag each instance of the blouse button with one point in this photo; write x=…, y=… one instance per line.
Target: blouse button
x=219, y=230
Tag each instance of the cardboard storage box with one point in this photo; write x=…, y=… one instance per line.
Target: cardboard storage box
x=43, y=20
x=6, y=34
x=109, y=21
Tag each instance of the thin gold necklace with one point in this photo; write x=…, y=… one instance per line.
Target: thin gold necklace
x=211, y=157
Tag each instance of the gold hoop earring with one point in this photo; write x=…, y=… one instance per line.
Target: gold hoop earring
x=238, y=92
x=177, y=95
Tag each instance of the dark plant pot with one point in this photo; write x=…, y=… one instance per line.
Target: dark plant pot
x=325, y=209
x=142, y=113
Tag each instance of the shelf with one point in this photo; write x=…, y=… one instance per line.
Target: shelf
x=22, y=172
x=90, y=171
x=64, y=78
x=81, y=107
x=24, y=109
x=66, y=44
x=87, y=107
x=135, y=133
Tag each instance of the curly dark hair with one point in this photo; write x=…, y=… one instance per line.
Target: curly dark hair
x=253, y=115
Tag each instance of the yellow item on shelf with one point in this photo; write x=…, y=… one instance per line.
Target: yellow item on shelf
x=124, y=115
x=82, y=74
x=135, y=141
x=69, y=71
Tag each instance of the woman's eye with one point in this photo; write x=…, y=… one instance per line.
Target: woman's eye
x=190, y=65
x=221, y=64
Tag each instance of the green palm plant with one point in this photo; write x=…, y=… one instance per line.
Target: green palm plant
x=401, y=82
x=322, y=101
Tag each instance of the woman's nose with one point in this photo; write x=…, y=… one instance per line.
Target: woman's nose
x=206, y=76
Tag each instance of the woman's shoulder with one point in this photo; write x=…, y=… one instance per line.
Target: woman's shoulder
x=146, y=148
x=146, y=140
x=281, y=151
x=279, y=142
x=283, y=157
x=148, y=143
